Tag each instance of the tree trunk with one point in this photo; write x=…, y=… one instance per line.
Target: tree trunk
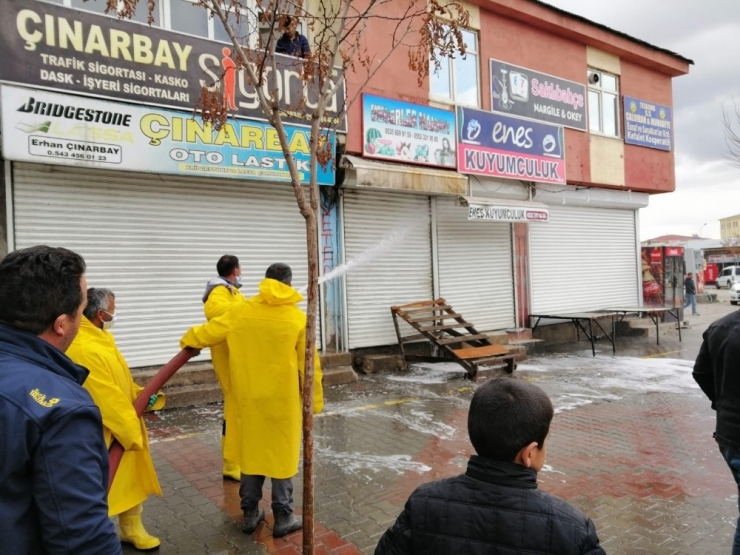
x=312, y=248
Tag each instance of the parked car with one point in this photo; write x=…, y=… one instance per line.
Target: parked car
x=728, y=277
x=735, y=294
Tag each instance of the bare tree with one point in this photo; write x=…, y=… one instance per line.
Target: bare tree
x=348, y=37
x=732, y=245
x=730, y=120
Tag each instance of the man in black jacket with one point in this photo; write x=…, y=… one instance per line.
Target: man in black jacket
x=53, y=460
x=495, y=507
x=716, y=372
x=690, y=290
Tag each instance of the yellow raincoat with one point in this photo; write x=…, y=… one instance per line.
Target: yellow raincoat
x=266, y=338
x=113, y=390
x=219, y=301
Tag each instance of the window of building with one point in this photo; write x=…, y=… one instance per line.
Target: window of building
x=184, y=16
x=457, y=79
x=603, y=103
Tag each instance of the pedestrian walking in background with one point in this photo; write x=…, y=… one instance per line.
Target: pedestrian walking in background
x=690, y=291
x=222, y=294
x=266, y=337
x=495, y=507
x=113, y=389
x=716, y=372
x=53, y=460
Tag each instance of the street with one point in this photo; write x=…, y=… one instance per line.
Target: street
x=631, y=446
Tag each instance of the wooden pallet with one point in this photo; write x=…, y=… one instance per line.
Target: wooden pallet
x=455, y=338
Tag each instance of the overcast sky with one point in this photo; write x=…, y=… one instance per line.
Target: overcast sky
x=707, y=187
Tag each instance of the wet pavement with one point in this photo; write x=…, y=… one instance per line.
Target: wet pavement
x=631, y=445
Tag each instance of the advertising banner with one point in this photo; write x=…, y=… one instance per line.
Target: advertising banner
x=63, y=49
x=647, y=124
x=50, y=128
x=523, y=92
x=405, y=132
x=501, y=146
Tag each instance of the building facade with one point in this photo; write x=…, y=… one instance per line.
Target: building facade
x=563, y=130
x=509, y=183
x=729, y=228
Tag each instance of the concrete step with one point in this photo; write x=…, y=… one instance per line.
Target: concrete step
x=192, y=395
x=531, y=346
x=516, y=334
x=339, y=375
x=336, y=360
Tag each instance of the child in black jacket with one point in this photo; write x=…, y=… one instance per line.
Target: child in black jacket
x=495, y=507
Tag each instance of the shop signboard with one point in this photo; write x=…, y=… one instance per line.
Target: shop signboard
x=506, y=213
x=523, y=92
x=52, y=128
x=647, y=124
x=60, y=48
x=501, y=146
x=405, y=132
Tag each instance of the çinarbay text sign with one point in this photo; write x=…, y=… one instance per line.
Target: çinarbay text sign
x=514, y=148
x=647, y=124
x=51, y=128
x=520, y=91
x=60, y=48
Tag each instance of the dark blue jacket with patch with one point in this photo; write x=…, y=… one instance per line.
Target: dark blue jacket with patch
x=53, y=460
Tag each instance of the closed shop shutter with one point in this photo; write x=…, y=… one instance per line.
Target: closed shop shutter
x=475, y=267
x=400, y=273
x=154, y=240
x=583, y=259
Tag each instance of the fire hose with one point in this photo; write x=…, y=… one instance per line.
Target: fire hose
x=115, y=452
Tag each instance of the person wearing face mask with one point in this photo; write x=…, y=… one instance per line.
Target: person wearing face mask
x=221, y=294
x=113, y=390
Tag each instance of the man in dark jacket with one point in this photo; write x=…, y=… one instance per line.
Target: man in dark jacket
x=495, y=507
x=690, y=289
x=292, y=42
x=53, y=460
x=716, y=372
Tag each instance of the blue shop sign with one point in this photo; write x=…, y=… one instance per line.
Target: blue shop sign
x=647, y=124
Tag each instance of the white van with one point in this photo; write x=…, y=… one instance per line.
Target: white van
x=728, y=276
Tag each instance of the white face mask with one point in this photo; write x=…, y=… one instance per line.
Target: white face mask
x=108, y=325
x=238, y=281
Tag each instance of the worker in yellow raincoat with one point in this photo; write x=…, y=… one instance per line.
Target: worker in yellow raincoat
x=266, y=338
x=221, y=294
x=113, y=390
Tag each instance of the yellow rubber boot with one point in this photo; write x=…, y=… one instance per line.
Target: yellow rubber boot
x=133, y=532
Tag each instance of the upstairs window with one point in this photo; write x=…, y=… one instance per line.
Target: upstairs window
x=603, y=103
x=458, y=78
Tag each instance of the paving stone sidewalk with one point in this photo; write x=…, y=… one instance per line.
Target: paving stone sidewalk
x=630, y=445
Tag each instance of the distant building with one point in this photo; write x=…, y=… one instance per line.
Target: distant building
x=729, y=227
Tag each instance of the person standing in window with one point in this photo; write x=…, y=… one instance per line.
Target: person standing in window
x=292, y=42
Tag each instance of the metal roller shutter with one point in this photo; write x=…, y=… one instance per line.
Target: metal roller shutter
x=154, y=240
x=583, y=259
x=475, y=267
x=401, y=273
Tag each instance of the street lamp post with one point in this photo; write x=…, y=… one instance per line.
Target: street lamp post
x=702, y=229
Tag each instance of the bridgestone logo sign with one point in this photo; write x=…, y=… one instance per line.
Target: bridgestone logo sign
x=507, y=213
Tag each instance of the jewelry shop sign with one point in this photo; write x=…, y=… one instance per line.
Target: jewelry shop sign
x=514, y=148
x=520, y=91
x=60, y=48
x=51, y=128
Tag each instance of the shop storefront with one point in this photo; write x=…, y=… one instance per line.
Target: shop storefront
x=587, y=257
x=153, y=238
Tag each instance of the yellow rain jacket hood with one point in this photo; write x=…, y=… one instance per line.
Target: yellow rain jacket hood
x=266, y=336
x=113, y=390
